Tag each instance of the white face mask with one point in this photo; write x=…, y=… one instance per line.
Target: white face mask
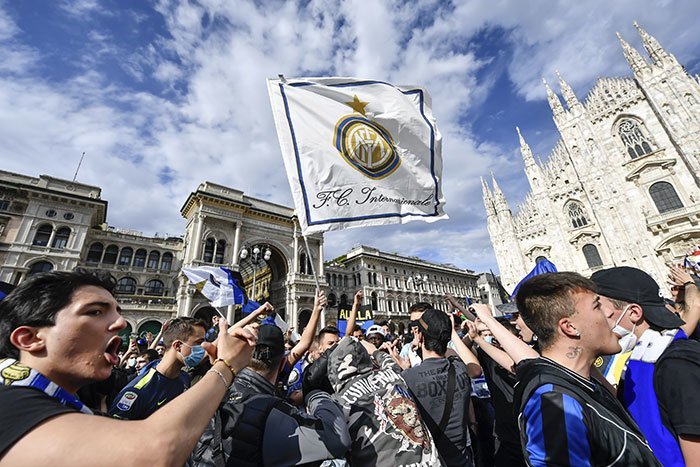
x=627, y=338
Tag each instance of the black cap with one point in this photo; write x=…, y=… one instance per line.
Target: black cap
x=636, y=286
x=435, y=324
x=271, y=336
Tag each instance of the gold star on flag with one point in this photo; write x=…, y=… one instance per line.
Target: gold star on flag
x=357, y=105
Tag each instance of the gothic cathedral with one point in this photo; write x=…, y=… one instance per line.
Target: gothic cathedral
x=620, y=187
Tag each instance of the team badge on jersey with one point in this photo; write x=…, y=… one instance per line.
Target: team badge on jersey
x=15, y=372
x=127, y=400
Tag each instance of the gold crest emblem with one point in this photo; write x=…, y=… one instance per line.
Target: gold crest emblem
x=364, y=144
x=15, y=372
x=598, y=362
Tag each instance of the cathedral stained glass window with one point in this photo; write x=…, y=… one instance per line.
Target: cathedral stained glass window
x=577, y=215
x=665, y=197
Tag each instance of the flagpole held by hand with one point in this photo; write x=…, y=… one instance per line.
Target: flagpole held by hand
x=313, y=271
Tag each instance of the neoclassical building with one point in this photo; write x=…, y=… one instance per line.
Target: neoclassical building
x=391, y=283
x=222, y=223
x=620, y=187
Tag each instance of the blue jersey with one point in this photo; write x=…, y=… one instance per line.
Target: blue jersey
x=146, y=393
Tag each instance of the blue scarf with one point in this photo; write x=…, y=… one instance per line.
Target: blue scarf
x=14, y=373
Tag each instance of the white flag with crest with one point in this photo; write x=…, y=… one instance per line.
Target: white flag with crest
x=358, y=152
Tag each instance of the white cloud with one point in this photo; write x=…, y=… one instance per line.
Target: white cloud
x=216, y=123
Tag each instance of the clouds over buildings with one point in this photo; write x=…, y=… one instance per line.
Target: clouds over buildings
x=164, y=96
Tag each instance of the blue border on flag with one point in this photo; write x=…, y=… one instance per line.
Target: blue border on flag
x=301, y=176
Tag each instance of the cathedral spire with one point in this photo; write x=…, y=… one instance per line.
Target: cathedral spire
x=633, y=57
x=525, y=150
x=488, y=199
x=568, y=93
x=652, y=46
x=499, y=199
x=485, y=189
x=554, y=102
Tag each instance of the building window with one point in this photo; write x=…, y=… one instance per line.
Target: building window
x=140, y=258
x=153, y=260
x=126, y=285
x=209, y=250
x=154, y=287
x=374, y=301
x=110, y=256
x=43, y=234
x=331, y=299
x=390, y=305
x=68, y=216
x=95, y=253
x=220, y=251
x=51, y=213
x=40, y=266
x=592, y=256
x=166, y=263
x=665, y=197
x=125, y=256
x=634, y=139
x=4, y=205
x=577, y=215
x=60, y=240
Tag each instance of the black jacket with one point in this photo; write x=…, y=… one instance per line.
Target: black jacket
x=577, y=421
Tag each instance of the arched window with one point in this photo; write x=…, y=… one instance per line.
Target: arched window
x=166, y=263
x=665, y=197
x=576, y=214
x=374, y=301
x=40, y=266
x=590, y=252
x=60, y=240
x=126, y=285
x=125, y=256
x=154, y=287
x=331, y=299
x=634, y=139
x=328, y=279
x=209, y=250
x=110, y=256
x=345, y=281
x=43, y=234
x=140, y=258
x=220, y=251
x=95, y=253
x=153, y=260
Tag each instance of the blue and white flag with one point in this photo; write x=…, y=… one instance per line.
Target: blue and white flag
x=542, y=266
x=216, y=284
x=358, y=152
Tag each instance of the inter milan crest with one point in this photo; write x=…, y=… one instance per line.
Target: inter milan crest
x=364, y=144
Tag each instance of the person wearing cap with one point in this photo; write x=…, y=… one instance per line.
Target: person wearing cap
x=441, y=387
x=565, y=416
x=411, y=349
x=376, y=335
x=660, y=384
x=255, y=427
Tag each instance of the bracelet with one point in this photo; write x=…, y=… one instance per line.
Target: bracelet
x=228, y=365
x=221, y=375
x=689, y=283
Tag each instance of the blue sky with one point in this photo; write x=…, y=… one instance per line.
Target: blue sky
x=164, y=95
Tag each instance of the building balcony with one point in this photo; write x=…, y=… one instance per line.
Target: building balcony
x=146, y=302
x=663, y=222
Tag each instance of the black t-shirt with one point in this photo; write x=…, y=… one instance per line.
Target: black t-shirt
x=677, y=384
x=428, y=384
x=21, y=409
x=501, y=384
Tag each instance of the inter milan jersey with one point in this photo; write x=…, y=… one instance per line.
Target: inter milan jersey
x=146, y=393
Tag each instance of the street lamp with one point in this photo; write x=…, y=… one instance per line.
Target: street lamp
x=418, y=282
x=255, y=259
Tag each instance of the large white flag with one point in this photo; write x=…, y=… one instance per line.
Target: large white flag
x=358, y=152
x=215, y=283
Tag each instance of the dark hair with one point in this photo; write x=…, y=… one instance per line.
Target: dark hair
x=37, y=300
x=181, y=328
x=262, y=361
x=419, y=307
x=439, y=346
x=545, y=299
x=357, y=327
x=150, y=354
x=328, y=330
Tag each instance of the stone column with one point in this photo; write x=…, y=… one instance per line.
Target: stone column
x=197, y=238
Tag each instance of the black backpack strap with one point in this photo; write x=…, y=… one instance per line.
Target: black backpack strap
x=451, y=382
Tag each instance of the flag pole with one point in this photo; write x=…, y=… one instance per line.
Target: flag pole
x=313, y=271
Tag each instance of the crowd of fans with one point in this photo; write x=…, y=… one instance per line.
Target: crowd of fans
x=589, y=371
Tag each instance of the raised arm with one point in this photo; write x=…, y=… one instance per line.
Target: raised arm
x=473, y=367
x=154, y=344
x=691, y=314
x=356, y=303
x=309, y=333
x=516, y=349
x=455, y=304
x=496, y=354
x=165, y=438
x=263, y=309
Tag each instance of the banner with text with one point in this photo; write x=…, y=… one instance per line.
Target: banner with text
x=358, y=152
x=365, y=317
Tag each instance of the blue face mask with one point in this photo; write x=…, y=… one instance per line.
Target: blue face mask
x=196, y=355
